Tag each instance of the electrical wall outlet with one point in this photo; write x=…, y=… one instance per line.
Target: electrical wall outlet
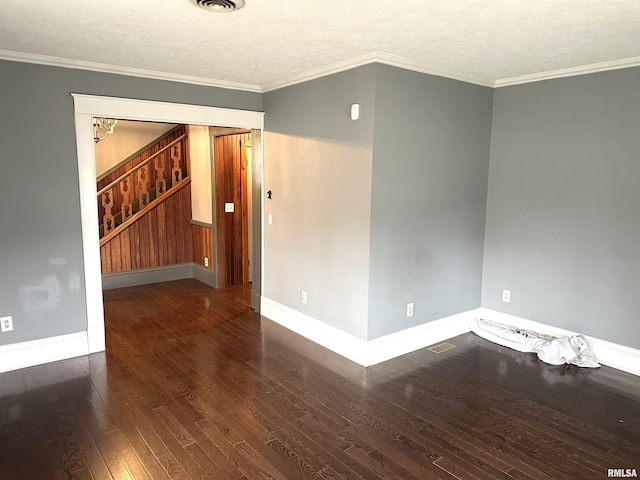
x=303, y=296
x=506, y=296
x=206, y=261
x=409, y=309
x=6, y=323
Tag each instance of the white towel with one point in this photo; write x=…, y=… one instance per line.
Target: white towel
x=556, y=351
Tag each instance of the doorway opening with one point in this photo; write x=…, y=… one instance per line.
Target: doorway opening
x=86, y=107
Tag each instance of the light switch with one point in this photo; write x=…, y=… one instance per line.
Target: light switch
x=228, y=207
x=270, y=219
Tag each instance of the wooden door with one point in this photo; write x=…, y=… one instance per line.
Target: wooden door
x=231, y=194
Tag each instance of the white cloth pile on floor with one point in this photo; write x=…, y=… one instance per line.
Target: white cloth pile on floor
x=554, y=350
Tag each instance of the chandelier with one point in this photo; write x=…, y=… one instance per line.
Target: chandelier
x=103, y=127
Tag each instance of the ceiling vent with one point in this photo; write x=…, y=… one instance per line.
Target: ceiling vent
x=220, y=6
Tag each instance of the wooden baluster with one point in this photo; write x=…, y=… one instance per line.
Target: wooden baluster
x=125, y=189
x=107, y=203
x=143, y=183
x=176, y=156
x=161, y=183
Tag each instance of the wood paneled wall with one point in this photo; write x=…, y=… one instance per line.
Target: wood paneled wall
x=230, y=175
x=162, y=236
x=202, y=241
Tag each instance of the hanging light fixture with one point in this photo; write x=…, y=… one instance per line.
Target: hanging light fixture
x=103, y=127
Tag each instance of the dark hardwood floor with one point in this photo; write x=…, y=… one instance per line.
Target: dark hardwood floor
x=194, y=384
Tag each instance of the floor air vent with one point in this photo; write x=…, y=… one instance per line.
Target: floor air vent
x=441, y=347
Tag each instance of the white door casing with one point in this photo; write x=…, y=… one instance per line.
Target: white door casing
x=85, y=108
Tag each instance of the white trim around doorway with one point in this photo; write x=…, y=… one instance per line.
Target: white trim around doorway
x=85, y=108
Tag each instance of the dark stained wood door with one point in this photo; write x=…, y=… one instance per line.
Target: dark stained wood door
x=230, y=160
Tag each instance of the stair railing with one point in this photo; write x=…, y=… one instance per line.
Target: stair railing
x=130, y=194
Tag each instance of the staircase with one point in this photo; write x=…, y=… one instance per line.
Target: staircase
x=130, y=190
x=144, y=209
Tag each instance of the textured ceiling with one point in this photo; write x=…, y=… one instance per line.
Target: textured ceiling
x=270, y=41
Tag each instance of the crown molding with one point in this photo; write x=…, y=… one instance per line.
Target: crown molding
x=430, y=69
x=319, y=72
x=129, y=71
x=378, y=57
x=358, y=61
x=569, y=72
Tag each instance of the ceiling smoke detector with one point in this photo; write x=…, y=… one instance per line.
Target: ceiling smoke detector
x=220, y=6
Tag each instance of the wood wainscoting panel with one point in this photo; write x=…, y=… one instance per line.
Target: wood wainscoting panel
x=202, y=241
x=161, y=236
x=159, y=223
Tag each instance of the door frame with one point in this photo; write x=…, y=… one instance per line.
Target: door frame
x=85, y=108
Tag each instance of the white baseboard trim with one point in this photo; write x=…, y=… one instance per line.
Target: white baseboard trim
x=607, y=353
x=362, y=352
x=37, y=352
x=336, y=340
x=381, y=349
x=405, y=341
x=96, y=339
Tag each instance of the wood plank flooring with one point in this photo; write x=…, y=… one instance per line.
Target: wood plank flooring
x=194, y=384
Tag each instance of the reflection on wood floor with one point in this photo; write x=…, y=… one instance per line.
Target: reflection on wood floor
x=194, y=384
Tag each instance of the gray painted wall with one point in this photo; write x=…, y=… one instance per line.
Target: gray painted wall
x=563, y=214
x=562, y=222
x=317, y=163
x=430, y=165
x=41, y=280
